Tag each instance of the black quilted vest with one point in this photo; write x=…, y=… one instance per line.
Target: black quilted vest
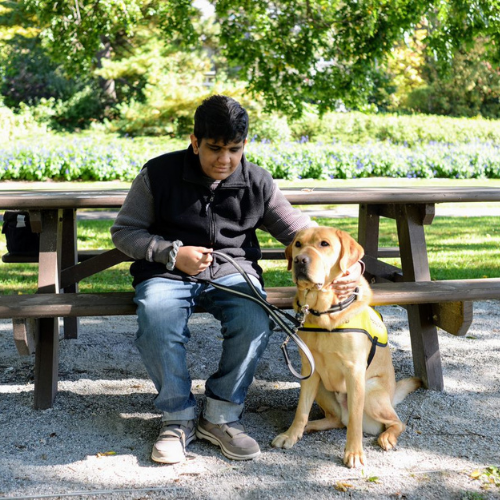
x=224, y=219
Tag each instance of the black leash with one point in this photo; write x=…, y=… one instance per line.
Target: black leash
x=275, y=313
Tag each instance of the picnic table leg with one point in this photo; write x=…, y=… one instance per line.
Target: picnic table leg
x=376, y=270
x=46, y=363
x=69, y=257
x=368, y=229
x=47, y=349
x=424, y=338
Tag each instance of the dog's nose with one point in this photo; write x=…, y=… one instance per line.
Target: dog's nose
x=302, y=260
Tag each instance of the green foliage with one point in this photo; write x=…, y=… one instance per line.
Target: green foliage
x=172, y=84
x=81, y=109
x=456, y=25
x=75, y=32
x=411, y=130
x=168, y=86
x=324, y=51
x=405, y=67
x=29, y=75
x=471, y=88
x=291, y=54
x=18, y=124
x=320, y=51
x=489, y=477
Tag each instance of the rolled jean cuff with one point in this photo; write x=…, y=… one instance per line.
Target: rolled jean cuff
x=187, y=414
x=222, y=412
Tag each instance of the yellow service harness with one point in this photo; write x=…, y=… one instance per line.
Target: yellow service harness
x=369, y=322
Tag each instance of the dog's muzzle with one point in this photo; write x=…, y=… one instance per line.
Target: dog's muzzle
x=302, y=271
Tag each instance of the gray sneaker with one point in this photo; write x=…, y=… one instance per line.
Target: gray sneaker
x=175, y=435
x=231, y=438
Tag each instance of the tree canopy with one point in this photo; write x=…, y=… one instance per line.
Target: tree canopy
x=289, y=51
x=331, y=50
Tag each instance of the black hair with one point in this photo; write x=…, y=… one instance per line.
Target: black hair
x=221, y=118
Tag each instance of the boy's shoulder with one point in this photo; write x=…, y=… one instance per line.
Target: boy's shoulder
x=170, y=158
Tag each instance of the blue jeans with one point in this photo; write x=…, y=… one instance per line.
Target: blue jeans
x=163, y=309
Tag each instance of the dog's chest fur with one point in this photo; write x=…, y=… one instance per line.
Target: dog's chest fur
x=337, y=356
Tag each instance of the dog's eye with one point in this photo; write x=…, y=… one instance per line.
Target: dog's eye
x=325, y=244
x=298, y=244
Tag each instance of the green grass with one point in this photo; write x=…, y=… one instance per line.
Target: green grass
x=458, y=248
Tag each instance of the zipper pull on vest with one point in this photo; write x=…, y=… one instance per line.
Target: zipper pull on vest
x=206, y=208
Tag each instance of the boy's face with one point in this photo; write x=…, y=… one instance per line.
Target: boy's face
x=218, y=160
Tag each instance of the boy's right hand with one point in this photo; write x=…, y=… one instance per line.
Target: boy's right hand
x=193, y=260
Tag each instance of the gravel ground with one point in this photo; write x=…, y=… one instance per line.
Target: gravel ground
x=96, y=440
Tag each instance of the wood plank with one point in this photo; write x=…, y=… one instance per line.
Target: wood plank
x=114, y=198
x=25, y=335
x=69, y=257
x=453, y=317
x=82, y=255
x=47, y=347
x=425, y=346
x=414, y=260
x=436, y=291
x=121, y=303
x=378, y=272
x=78, y=272
x=46, y=364
x=415, y=265
x=390, y=195
x=48, y=305
x=368, y=229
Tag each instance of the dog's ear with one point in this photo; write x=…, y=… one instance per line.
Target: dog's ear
x=288, y=255
x=351, y=251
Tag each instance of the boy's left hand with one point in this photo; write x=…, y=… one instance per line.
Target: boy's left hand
x=345, y=286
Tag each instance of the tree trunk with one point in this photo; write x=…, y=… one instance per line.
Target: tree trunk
x=108, y=86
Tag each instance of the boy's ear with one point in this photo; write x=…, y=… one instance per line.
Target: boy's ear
x=194, y=143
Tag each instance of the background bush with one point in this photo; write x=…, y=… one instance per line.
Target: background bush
x=470, y=88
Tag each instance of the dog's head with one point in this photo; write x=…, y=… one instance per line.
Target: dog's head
x=318, y=255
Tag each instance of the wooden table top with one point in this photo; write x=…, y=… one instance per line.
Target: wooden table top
x=114, y=198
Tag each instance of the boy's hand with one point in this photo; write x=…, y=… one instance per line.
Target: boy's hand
x=193, y=260
x=344, y=286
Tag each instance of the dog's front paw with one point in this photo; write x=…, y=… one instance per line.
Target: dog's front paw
x=387, y=440
x=354, y=459
x=284, y=441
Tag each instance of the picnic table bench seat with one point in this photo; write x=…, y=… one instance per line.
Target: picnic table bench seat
x=48, y=305
x=436, y=293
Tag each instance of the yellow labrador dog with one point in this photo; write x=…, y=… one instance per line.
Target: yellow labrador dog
x=354, y=382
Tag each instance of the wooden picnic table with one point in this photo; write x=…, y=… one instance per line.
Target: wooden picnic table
x=53, y=215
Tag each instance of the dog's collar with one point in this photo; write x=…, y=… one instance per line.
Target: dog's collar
x=335, y=307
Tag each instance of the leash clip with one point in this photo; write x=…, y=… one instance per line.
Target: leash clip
x=301, y=316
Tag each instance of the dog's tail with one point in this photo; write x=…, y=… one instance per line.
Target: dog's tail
x=404, y=387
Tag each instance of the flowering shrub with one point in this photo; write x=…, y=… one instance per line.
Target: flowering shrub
x=378, y=159
x=107, y=158
x=77, y=158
